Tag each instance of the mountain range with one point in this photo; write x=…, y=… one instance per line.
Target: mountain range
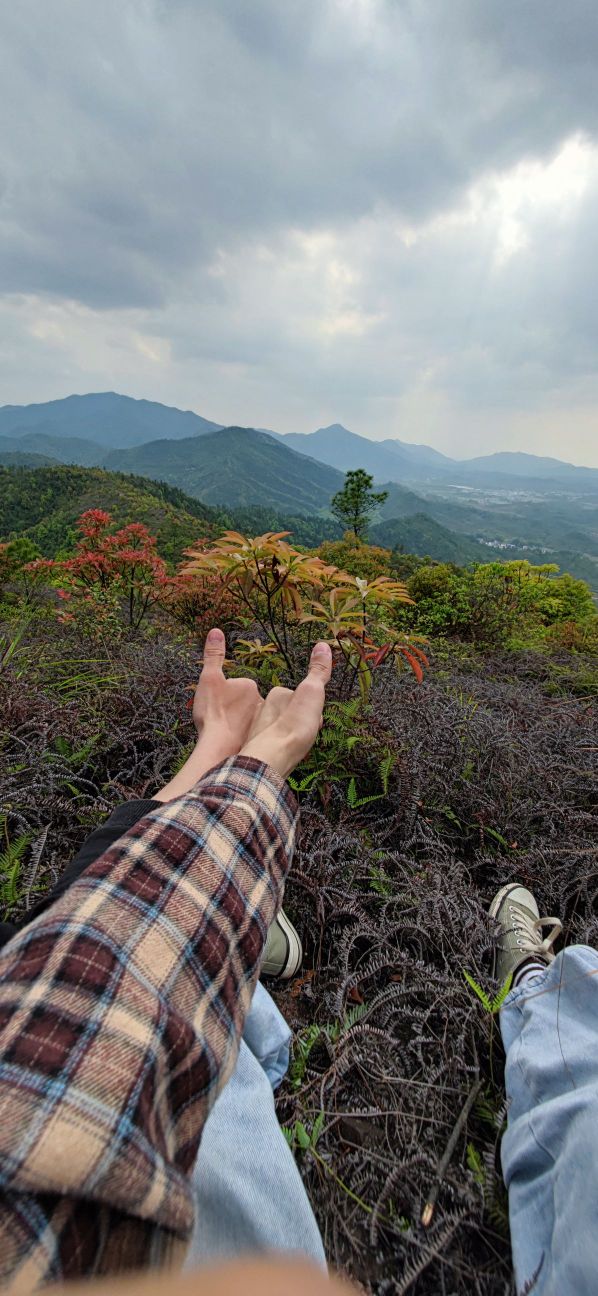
x=394, y=460
x=524, y=504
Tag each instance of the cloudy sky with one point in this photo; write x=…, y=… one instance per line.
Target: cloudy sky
x=286, y=213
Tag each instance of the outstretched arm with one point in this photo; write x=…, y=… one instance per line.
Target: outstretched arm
x=120, y=1014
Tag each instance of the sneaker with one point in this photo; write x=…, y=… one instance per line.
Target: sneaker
x=520, y=938
x=283, y=952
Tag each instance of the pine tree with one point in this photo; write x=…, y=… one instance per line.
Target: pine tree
x=355, y=503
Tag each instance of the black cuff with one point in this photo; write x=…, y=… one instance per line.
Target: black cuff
x=100, y=840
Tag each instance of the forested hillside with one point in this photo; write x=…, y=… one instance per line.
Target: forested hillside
x=45, y=502
x=236, y=466
x=522, y=506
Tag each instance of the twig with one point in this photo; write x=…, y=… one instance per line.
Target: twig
x=428, y=1211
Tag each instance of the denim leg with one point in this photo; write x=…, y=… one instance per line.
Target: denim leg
x=249, y=1196
x=550, y=1149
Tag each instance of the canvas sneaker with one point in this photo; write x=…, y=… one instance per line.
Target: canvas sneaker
x=283, y=952
x=520, y=936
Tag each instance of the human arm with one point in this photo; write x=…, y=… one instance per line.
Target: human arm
x=120, y=1013
x=224, y=711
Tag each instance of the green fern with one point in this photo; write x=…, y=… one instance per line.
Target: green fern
x=355, y=802
x=335, y=1030
x=492, y=1006
x=11, y=862
x=476, y=1165
x=298, y=1136
x=303, y=1044
x=380, y=882
x=487, y=1111
x=76, y=757
x=304, y=784
x=385, y=769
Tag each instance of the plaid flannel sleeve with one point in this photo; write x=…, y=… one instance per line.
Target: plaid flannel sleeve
x=121, y=1010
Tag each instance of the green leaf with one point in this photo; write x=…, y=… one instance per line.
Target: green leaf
x=491, y=832
x=481, y=994
x=476, y=1165
x=304, y=784
x=385, y=770
x=492, y=1006
x=499, y=999
x=317, y=1128
x=303, y=1138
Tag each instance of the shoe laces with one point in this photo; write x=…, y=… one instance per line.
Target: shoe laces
x=529, y=932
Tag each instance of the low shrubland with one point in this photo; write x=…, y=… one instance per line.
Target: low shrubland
x=430, y=786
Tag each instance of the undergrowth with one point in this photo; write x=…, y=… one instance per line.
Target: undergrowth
x=415, y=809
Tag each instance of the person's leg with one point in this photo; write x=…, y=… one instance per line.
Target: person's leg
x=549, y=1024
x=249, y=1196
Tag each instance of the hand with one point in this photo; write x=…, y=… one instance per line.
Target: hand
x=287, y=725
x=223, y=713
x=224, y=710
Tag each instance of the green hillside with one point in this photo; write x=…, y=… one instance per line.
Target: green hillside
x=24, y=459
x=44, y=504
x=420, y=534
x=55, y=448
x=237, y=466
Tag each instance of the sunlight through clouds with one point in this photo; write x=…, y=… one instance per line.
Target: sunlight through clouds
x=355, y=210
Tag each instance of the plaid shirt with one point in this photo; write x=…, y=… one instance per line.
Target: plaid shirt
x=121, y=1010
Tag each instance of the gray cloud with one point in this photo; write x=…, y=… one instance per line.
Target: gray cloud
x=299, y=211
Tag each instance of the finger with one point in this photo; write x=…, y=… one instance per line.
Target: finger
x=273, y=707
x=214, y=652
x=320, y=662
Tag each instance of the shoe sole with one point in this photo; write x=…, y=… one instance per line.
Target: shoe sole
x=294, y=956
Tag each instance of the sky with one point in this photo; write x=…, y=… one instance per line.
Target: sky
x=287, y=213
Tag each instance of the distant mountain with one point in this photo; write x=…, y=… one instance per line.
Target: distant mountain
x=518, y=464
x=235, y=466
x=388, y=460
x=395, y=460
x=105, y=417
x=84, y=428
x=57, y=449
x=400, y=502
x=512, y=468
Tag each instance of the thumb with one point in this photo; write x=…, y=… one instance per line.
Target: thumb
x=320, y=662
x=214, y=652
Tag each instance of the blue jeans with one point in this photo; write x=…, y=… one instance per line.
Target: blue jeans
x=550, y=1149
x=249, y=1196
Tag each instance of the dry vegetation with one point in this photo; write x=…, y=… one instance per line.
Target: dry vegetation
x=489, y=771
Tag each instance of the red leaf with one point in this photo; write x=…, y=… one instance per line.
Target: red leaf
x=414, y=664
x=380, y=655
